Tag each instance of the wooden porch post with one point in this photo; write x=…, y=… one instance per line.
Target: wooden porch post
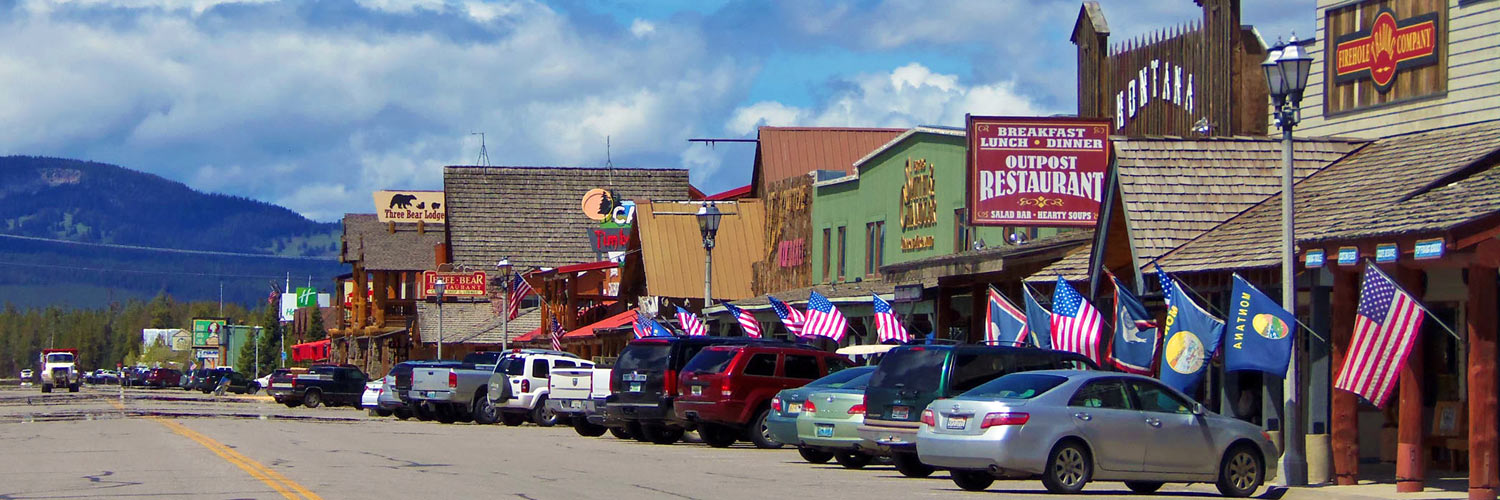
x=1345, y=407
x=1411, y=456
x=1482, y=399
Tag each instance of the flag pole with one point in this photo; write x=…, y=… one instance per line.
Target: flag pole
x=1419, y=303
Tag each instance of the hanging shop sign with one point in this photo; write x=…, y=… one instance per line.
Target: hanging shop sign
x=1385, y=47
x=455, y=284
x=410, y=206
x=1428, y=249
x=1385, y=252
x=1348, y=256
x=207, y=354
x=1036, y=171
x=206, y=331
x=615, y=216
x=1315, y=258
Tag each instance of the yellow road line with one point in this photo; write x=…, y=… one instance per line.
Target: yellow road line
x=286, y=487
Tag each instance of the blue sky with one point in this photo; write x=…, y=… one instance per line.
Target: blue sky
x=314, y=104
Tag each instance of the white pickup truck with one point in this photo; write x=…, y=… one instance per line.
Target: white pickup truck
x=578, y=395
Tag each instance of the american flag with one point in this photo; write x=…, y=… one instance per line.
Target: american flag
x=824, y=320
x=886, y=323
x=1166, y=285
x=747, y=320
x=790, y=316
x=642, y=329
x=519, y=289
x=557, y=333
x=1385, y=328
x=1075, y=323
x=693, y=326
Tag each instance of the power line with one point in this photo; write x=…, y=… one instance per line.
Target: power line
x=163, y=249
x=133, y=271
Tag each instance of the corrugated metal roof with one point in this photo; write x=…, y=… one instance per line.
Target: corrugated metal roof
x=1175, y=189
x=1408, y=184
x=672, y=248
x=786, y=152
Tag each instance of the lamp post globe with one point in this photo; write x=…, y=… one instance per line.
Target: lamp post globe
x=708, y=223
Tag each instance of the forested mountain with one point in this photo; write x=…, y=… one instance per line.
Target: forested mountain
x=70, y=232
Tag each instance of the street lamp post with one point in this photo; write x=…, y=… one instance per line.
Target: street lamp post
x=708, y=224
x=504, y=266
x=438, y=289
x=1286, y=70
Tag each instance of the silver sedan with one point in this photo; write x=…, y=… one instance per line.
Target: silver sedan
x=1071, y=427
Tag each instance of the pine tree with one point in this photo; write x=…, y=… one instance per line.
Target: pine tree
x=316, y=331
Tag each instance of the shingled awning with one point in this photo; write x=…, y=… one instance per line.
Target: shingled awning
x=1412, y=184
x=381, y=248
x=1174, y=189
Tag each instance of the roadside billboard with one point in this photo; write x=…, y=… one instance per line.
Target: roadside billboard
x=206, y=331
x=410, y=206
x=1029, y=171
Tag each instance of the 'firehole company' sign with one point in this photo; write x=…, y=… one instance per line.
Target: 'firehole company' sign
x=1036, y=171
x=1387, y=46
x=410, y=206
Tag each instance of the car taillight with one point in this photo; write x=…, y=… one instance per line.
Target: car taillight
x=611, y=382
x=776, y=404
x=669, y=382
x=725, y=389
x=809, y=407
x=1001, y=418
x=525, y=385
x=928, y=418
x=858, y=409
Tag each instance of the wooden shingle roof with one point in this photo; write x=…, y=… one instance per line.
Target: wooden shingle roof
x=473, y=322
x=1175, y=189
x=533, y=215
x=1407, y=184
x=367, y=239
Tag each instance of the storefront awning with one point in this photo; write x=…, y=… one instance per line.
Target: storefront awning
x=603, y=324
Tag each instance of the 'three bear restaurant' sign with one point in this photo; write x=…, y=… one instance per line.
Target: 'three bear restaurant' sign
x=455, y=284
x=1036, y=171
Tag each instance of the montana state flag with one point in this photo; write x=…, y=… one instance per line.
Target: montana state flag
x=1192, y=338
x=1260, y=332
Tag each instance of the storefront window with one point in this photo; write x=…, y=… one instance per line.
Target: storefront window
x=874, y=247
x=827, y=244
x=843, y=246
x=963, y=239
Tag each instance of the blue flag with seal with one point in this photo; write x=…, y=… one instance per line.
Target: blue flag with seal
x=1133, y=348
x=1192, y=338
x=1038, y=321
x=1261, y=332
x=1006, y=324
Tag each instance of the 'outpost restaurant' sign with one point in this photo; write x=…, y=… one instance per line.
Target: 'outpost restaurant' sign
x=455, y=284
x=1036, y=171
x=1387, y=46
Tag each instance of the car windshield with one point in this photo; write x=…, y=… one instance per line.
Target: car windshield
x=711, y=361
x=481, y=358
x=60, y=357
x=914, y=368
x=1015, y=386
x=644, y=357
x=852, y=378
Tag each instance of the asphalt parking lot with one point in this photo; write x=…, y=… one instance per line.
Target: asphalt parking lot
x=175, y=444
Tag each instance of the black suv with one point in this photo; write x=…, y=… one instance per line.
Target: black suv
x=643, y=384
x=331, y=384
x=910, y=377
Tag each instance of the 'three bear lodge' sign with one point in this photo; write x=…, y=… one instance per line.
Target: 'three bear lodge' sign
x=410, y=206
x=1384, y=47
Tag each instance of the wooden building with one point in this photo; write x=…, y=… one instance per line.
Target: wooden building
x=664, y=267
x=378, y=300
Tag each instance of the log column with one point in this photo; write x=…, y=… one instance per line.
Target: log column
x=1482, y=399
x=1345, y=407
x=1411, y=456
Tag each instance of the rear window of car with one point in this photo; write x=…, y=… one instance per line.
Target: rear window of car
x=1015, y=386
x=644, y=357
x=711, y=361
x=918, y=369
x=852, y=378
x=512, y=365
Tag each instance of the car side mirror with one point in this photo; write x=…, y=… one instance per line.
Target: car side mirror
x=1198, y=409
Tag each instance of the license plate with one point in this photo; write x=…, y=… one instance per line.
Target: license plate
x=825, y=430
x=794, y=408
x=958, y=422
x=635, y=387
x=697, y=390
x=433, y=394
x=900, y=412
x=280, y=386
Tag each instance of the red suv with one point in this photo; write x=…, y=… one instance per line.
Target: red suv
x=163, y=377
x=726, y=390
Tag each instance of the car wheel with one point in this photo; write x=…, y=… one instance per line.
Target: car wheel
x=586, y=429
x=908, y=465
x=717, y=436
x=815, y=456
x=73, y=388
x=512, y=419
x=382, y=412
x=1069, y=468
x=444, y=414
x=543, y=416
x=660, y=434
x=637, y=432
x=1143, y=487
x=619, y=433
x=402, y=414
x=312, y=399
x=484, y=411
x=973, y=480
x=253, y=389
x=760, y=433
x=1241, y=472
x=291, y=404
x=422, y=412
x=853, y=459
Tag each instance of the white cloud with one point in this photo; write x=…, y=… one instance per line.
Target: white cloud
x=909, y=95
x=641, y=28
